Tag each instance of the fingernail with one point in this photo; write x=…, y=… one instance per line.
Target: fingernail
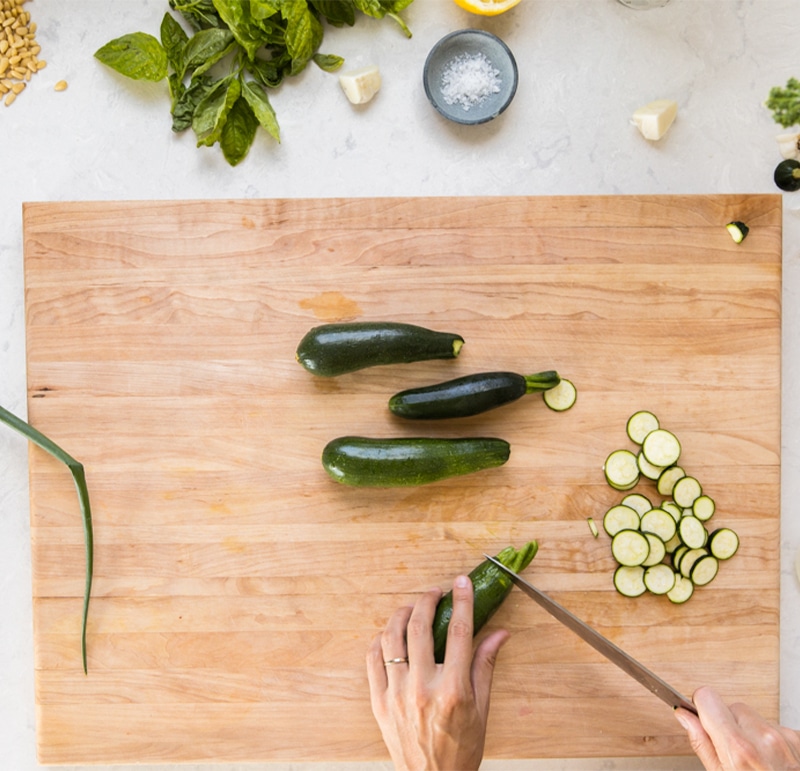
x=462, y=582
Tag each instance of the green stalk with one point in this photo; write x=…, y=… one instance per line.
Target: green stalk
x=79, y=477
x=541, y=381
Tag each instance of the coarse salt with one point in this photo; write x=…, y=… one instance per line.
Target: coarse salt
x=469, y=79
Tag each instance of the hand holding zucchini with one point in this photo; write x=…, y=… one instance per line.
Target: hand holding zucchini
x=405, y=461
x=491, y=586
x=335, y=349
x=469, y=395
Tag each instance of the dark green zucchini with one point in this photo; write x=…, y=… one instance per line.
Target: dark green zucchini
x=469, y=395
x=403, y=462
x=334, y=349
x=787, y=175
x=491, y=586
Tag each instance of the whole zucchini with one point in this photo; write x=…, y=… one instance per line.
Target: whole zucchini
x=334, y=349
x=469, y=395
x=490, y=585
x=407, y=461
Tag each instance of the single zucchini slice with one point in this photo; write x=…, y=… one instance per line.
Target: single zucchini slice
x=620, y=517
x=686, y=491
x=403, y=462
x=335, y=349
x=469, y=395
x=668, y=478
x=673, y=543
x=677, y=556
x=704, y=570
x=621, y=470
x=661, y=448
x=647, y=469
x=660, y=523
x=692, y=532
x=703, y=507
x=629, y=581
x=682, y=591
x=592, y=526
x=640, y=424
x=723, y=543
x=562, y=397
x=659, y=579
x=630, y=547
x=490, y=585
x=638, y=502
x=658, y=550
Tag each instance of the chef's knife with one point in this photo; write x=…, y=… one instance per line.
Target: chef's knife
x=626, y=663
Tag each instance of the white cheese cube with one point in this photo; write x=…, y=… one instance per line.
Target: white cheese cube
x=361, y=85
x=655, y=118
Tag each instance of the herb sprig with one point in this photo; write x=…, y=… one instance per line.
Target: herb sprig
x=263, y=41
x=784, y=102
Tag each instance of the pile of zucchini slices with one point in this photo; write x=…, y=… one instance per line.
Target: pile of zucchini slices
x=666, y=548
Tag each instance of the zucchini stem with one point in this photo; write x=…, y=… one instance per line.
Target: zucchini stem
x=79, y=477
x=541, y=381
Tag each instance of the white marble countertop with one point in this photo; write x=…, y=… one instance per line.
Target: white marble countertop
x=585, y=65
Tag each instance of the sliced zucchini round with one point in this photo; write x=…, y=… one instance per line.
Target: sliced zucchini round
x=660, y=523
x=630, y=547
x=703, y=507
x=723, y=543
x=629, y=581
x=692, y=532
x=686, y=491
x=669, y=476
x=704, y=570
x=682, y=591
x=658, y=550
x=640, y=424
x=638, y=502
x=647, y=469
x=661, y=448
x=677, y=556
x=659, y=579
x=561, y=397
x=620, y=468
x=672, y=508
x=620, y=517
x=673, y=543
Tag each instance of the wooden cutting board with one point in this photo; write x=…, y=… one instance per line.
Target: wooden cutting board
x=237, y=588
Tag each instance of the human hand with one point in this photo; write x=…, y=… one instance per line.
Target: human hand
x=736, y=737
x=433, y=716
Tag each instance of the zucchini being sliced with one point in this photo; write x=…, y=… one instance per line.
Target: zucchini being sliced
x=562, y=397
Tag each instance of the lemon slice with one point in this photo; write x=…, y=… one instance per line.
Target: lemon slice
x=486, y=7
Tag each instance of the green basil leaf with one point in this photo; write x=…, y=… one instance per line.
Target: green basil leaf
x=208, y=45
x=264, y=9
x=201, y=14
x=257, y=98
x=370, y=8
x=137, y=55
x=236, y=14
x=212, y=111
x=238, y=132
x=173, y=39
x=395, y=6
x=337, y=12
x=269, y=72
x=184, y=107
x=328, y=62
x=303, y=32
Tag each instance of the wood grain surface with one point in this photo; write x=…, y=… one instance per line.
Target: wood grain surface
x=237, y=587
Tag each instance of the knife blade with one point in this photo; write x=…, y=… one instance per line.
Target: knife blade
x=603, y=645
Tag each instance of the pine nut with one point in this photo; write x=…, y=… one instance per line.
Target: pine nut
x=61, y=85
x=10, y=99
